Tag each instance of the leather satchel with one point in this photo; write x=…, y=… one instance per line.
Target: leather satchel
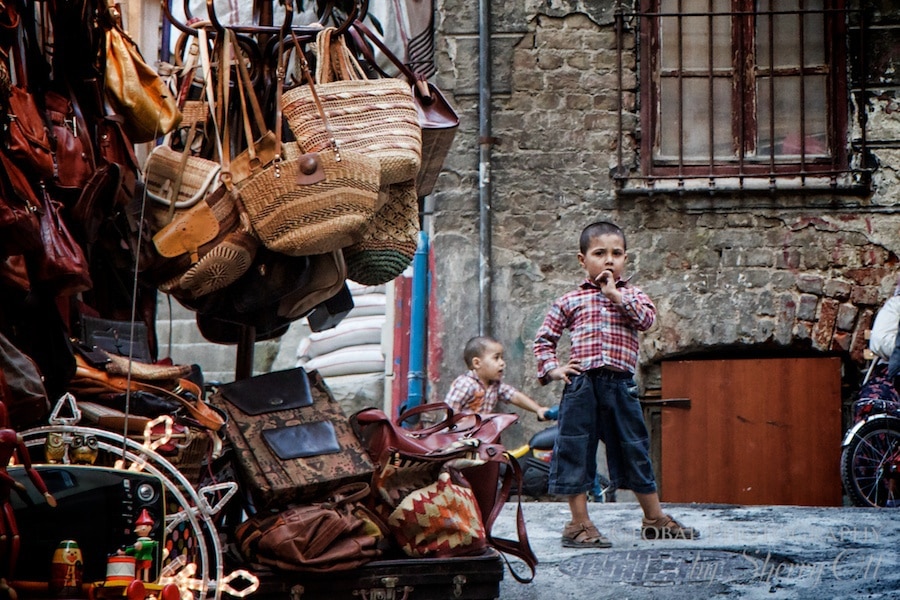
x=338, y=534
x=20, y=228
x=28, y=137
x=380, y=434
x=61, y=267
x=72, y=149
x=27, y=403
x=274, y=482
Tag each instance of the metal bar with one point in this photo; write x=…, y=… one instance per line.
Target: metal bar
x=801, y=29
x=680, y=90
x=710, y=109
x=485, y=263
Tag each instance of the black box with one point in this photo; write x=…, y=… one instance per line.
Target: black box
x=464, y=578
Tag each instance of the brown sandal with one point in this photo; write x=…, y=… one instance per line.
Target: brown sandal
x=584, y=535
x=667, y=528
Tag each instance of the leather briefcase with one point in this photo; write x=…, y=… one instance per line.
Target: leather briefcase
x=291, y=439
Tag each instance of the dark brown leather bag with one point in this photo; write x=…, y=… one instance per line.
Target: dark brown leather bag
x=336, y=535
x=25, y=396
x=28, y=137
x=61, y=267
x=73, y=152
x=20, y=229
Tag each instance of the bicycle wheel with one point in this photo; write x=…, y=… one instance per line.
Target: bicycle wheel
x=870, y=464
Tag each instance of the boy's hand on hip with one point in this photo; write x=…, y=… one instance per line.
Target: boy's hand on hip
x=563, y=372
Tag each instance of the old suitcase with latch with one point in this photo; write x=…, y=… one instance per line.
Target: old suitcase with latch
x=463, y=577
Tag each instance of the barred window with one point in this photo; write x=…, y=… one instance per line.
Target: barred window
x=741, y=93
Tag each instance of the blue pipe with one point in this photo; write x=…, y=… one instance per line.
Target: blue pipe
x=415, y=379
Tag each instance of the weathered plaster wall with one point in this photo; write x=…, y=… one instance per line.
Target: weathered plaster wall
x=758, y=274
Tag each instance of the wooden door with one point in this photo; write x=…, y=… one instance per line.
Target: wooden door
x=757, y=431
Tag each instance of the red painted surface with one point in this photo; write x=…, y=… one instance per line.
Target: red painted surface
x=400, y=360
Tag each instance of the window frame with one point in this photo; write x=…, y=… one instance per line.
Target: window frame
x=744, y=110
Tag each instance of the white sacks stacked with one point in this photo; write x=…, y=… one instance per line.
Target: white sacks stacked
x=349, y=356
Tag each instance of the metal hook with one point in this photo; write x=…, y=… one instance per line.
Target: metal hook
x=175, y=22
x=213, y=18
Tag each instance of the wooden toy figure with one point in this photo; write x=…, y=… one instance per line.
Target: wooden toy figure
x=12, y=445
x=66, y=570
x=144, y=548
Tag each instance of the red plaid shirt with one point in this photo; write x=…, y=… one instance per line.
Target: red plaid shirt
x=602, y=334
x=468, y=395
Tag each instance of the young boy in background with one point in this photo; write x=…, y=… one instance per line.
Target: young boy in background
x=481, y=388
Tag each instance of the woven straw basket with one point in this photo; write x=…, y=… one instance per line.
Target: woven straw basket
x=376, y=117
x=389, y=242
x=297, y=219
x=161, y=172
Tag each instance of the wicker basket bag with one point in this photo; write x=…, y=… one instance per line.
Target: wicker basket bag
x=376, y=117
x=311, y=202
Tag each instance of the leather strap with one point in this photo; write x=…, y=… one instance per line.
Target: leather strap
x=521, y=547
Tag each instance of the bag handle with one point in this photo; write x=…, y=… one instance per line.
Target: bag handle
x=521, y=547
x=416, y=80
x=424, y=408
x=304, y=66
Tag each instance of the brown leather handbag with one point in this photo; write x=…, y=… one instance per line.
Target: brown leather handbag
x=19, y=225
x=73, y=152
x=28, y=137
x=61, y=266
x=338, y=534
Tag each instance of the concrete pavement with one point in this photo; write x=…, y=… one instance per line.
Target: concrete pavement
x=749, y=552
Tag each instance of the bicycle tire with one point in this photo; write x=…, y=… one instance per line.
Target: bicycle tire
x=869, y=464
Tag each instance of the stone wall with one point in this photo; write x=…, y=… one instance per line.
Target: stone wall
x=751, y=274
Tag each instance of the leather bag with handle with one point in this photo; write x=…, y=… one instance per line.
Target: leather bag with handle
x=20, y=228
x=335, y=535
x=437, y=118
x=202, y=239
x=27, y=402
x=380, y=433
x=61, y=266
x=135, y=90
x=73, y=152
x=456, y=435
x=310, y=203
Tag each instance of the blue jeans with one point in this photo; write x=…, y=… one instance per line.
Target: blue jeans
x=601, y=406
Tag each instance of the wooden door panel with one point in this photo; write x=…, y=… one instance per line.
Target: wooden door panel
x=758, y=431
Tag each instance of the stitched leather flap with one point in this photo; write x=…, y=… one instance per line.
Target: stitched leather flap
x=187, y=232
x=302, y=441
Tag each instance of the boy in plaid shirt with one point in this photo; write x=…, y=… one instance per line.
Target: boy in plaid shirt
x=599, y=402
x=482, y=387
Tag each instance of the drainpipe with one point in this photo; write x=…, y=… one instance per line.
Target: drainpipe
x=415, y=379
x=485, y=266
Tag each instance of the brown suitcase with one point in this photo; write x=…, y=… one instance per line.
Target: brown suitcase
x=462, y=577
x=291, y=439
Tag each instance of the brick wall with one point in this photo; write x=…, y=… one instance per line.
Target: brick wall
x=801, y=274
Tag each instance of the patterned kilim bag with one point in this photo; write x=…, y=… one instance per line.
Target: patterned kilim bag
x=427, y=503
x=439, y=520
